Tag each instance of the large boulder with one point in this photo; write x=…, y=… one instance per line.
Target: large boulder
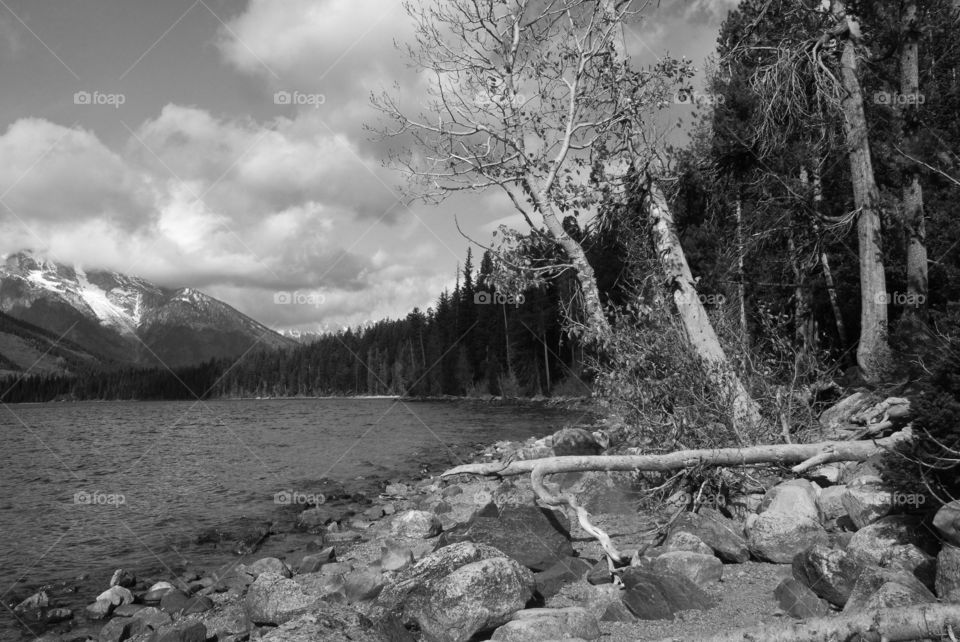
x=895, y=541
x=535, y=625
x=722, y=535
x=684, y=541
x=416, y=524
x=797, y=497
x=700, y=569
x=778, y=536
x=798, y=601
x=866, y=503
x=947, y=522
x=660, y=596
x=830, y=504
x=333, y=623
x=268, y=565
x=550, y=581
x=457, y=591
x=831, y=573
x=274, y=599
x=535, y=537
x=885, y=588
x=948, y=573
x=575, y=441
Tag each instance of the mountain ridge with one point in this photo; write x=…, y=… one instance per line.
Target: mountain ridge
x=127, y=319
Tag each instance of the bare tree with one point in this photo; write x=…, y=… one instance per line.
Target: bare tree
x=527, y=97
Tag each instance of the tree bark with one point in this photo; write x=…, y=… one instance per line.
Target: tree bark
x=912, y=191
x=923, y=621
x=873, y=350
x=825, y=260
x=696, y=323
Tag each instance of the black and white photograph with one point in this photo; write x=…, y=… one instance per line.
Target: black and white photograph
x=467, y=320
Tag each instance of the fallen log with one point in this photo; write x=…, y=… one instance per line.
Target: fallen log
x=807, y=455
x=824, y=452
x=923, y=621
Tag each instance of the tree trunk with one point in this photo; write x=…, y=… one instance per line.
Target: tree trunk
x=741, y=290
x=825, y=261
x=873, y=350
x=697, y=325
x=912, y=191
x=597, y=323
x=783, y=454
x=923, y=621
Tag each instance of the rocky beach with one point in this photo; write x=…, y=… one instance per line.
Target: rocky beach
x=461, y=558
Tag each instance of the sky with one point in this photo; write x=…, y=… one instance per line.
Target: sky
x=153, y=138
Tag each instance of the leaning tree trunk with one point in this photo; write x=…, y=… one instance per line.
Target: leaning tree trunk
x=873, y=351
x=694, y=317
x=913, y=217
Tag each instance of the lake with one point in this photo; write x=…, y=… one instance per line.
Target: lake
x=89, y=487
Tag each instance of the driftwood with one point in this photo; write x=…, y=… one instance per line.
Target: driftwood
x=804, y=455
x=924, y=621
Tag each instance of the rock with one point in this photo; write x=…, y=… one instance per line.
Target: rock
x=395, y=556
x=777, y=536
x=342, y=537
x=798, y=600
x=699, y=568
x=59, y=614
x=617, y=612
x=362, y=584
x=866, y=504
x=684, y=541
x=128, y=610
x=416, y=524
x=157, y=591
x=655, y=596
x=717, y=532
x=947, y=522
x=900, y=589
x=575, y=441
x=312, y=563
x=550, y=581
x=32, y=607
x=152, y=618
x=123, y=578
x=397, y=490
x=174, y=602
x=268, y=565
x=829, y=572
x=879, y=541
x=457, y=591
x=600, y=574
x=373, y=513
x=948, y=573
x=274, y=599
x=796, y=497
x=183, y=631
x=336, y=568
x=121, y=628
x=198, y=604
x=331, y=624
x=98, y=610
x=830, y=503
x=532, y=625
x=116, y=595
x=535, y=537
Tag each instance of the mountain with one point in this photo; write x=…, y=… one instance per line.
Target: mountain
x=27, y=348
x=126, y=320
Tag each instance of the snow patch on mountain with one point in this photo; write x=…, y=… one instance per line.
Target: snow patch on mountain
x=102, y=305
